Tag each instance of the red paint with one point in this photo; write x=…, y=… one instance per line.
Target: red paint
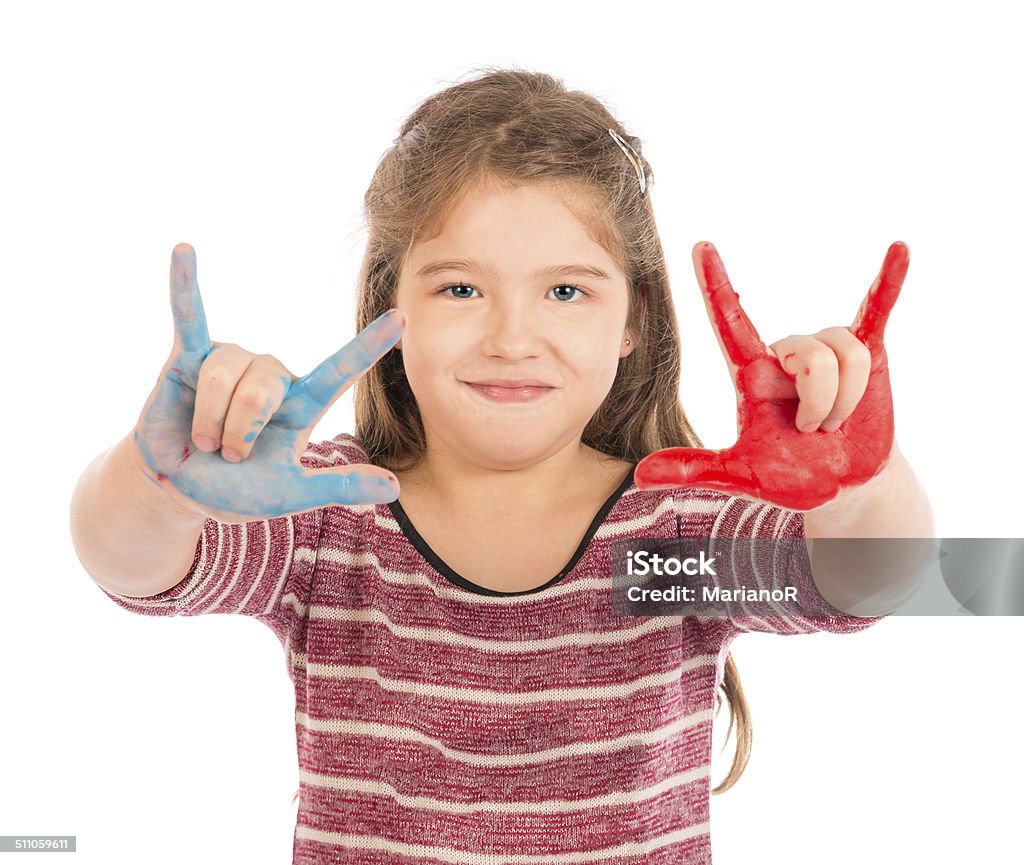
x=160, y=476
x=185, y=454
x=773, y=461
x=177, y=370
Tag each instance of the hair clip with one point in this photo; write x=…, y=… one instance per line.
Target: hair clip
x=633, y=158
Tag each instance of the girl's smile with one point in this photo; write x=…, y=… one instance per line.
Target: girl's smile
x=509, y=393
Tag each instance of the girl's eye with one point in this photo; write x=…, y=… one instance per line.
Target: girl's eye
x=572, y=288
x=456, y=288
x=461, y=290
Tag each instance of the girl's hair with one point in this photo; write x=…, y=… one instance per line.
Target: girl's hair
x=518, y=127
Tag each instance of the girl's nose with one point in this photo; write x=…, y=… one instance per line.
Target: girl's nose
x=512, y=331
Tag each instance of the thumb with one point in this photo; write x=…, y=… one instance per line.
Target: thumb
x=347, y=485
x=695, y=467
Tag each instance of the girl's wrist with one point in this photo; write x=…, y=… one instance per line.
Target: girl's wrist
x=130, y=472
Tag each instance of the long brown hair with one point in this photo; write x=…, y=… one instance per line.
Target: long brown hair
x=526, y=127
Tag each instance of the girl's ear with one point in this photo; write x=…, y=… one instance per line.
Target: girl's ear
x=629, y=337
x=628, y=344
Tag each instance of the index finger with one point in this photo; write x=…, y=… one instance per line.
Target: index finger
x=186, y=303
x=737, y=334
x=316, y=390
x=869, y=325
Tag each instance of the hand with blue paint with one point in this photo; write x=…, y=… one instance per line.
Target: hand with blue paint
x=218, y=396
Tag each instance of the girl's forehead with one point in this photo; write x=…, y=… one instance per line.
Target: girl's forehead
x=573, y=206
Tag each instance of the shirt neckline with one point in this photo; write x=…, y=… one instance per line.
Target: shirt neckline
x=442, y=567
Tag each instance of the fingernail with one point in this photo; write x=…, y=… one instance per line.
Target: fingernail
x=831, y=425
x=205, y=443
x=230, y=456
x=808, y=427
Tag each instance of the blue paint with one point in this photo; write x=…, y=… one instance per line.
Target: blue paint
x=269, y=482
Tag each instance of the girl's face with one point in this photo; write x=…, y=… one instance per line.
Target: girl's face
x=513, y=291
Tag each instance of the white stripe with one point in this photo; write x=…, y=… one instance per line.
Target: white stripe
x=263, y=565
x=635, y=526
x=468, y=857
x=492, y=697
x=419, y=580
x=306, y=556
x=716, y=532
x=692, y=505
x=198, y=577
x=239, y=570
x=796, y=622
x=392, y=733
x=566, y=639
x=290, y=558
x=340, y=454
x=759, y=513
x=716, y=526
x=535, y=807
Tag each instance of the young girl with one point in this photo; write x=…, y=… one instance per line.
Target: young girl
x=441, y=580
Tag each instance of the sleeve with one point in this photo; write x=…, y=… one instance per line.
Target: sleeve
x=773, y=538
x=262, y=568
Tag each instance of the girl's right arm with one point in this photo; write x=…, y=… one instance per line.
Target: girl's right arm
x=220, y=438
x=129, y=535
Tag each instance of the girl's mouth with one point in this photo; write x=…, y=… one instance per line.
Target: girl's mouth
x=497, y=393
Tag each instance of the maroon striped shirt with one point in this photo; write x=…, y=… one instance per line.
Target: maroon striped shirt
x=441, y=722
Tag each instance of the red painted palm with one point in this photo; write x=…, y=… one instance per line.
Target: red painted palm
x=773, y=461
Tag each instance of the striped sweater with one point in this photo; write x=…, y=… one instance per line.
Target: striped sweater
x=440, y=722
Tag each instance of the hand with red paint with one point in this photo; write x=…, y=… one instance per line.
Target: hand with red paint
x=814, y=413
x=223, y=431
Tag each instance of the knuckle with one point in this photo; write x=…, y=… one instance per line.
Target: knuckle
x=269, y=359
x=861, y=355
x=251, y=399
x=822, y=358
x=214, y=375
x=280, y=374
x=840, y=332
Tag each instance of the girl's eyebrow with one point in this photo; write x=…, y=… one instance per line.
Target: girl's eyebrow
x=467, y=264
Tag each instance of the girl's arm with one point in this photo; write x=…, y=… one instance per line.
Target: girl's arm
x=893, y=504
x=127, y=532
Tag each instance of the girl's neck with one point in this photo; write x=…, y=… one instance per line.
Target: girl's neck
x=505, y=494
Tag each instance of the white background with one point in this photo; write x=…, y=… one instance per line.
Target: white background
x=802, y=139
